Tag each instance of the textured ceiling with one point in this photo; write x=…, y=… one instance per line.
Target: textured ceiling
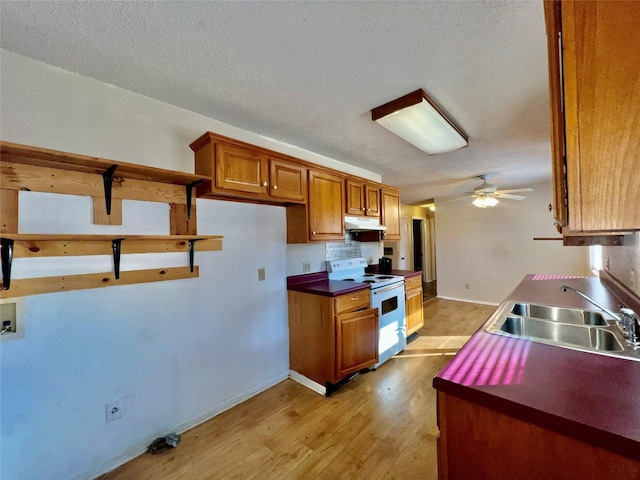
x=309, y=73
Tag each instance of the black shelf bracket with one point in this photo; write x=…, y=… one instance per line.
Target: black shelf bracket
x=7, y=258
x=107, y=179
x=116, y=246
x=192, y=251
x=190, y=196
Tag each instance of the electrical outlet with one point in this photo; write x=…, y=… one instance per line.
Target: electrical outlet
x=262, y=274
x=466, y=286
x=113, y=411
x=632, y=278
x=306, y=267
x=8, y=319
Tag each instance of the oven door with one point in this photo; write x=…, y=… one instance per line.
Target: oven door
x=389, y=301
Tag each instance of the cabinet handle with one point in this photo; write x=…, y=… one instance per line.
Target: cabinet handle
x=275, y=187
x=353, y=299
x=363, y=209
x=264, y=184
x=313, y=233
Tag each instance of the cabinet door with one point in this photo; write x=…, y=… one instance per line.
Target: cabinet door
x=553, y=22
x=240, y=169
x=288, y=181
x=372, y=208
x=415, y=314
x=355, y=197
x=602, y=114
x=391, y=214
x=356, y=341
x=326, y=206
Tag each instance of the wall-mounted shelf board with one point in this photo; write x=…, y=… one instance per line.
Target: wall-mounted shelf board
x=54, y=245
x=42, y=157
x=35, y=286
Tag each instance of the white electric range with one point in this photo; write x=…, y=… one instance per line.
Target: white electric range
x=387, y=295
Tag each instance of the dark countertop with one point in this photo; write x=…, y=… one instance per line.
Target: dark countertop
x=404, y=273
x=319, y=284
x=591, y=397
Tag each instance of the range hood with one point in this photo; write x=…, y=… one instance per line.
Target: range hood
x=363, y=224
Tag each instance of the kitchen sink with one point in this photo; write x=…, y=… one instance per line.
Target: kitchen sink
x=559, y=314
x=572, y=328
x=563, y=334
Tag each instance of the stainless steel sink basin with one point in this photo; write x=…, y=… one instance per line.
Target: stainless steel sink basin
x=572, y=328
x=559, y=314
x=557, y=333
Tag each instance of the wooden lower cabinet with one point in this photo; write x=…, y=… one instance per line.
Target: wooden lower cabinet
x=483, y=444
x=413, y=303
x=331, y=337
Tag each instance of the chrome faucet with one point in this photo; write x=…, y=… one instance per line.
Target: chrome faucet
x=628, y=320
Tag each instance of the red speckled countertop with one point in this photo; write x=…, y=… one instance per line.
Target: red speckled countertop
x=591, y=397
x=319, y=284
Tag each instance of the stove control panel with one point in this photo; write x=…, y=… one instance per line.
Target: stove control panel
x=347, y=264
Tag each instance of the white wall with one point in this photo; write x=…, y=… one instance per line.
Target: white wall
x=491, y=249
x=177, y=352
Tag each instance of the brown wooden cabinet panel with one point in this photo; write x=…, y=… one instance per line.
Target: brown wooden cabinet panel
x=390, y=214
x=484, y=444
x=414, y=311
x=288, y=181
x=326, y=206
x=372, y=201
x=356, y=341
x=596, y=131
x=363, y=199
x=240, y=169
x=326, y=345
x=355, y=197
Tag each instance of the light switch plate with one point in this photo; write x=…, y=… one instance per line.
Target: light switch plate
x=262, y=274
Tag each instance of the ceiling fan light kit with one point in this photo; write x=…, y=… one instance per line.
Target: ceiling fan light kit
x=487, y=194
x=485, y=201
x=417, y=119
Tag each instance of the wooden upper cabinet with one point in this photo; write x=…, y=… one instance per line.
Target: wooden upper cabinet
x=372, y=200
x=390, y=213
x=597, y=127
x=363, y=199
x=243, y=171
x=288, y=181
x=326, y=206
x=355, y=197
x=240, y=169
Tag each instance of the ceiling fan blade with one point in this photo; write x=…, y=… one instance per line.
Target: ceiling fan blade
x=460, y=198
x=515, y=190
x=509, y=196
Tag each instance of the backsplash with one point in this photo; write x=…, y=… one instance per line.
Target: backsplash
x=371, y=251
x=624, y=262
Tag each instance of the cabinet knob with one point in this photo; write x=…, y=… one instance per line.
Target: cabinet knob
x=313, y=233
x=275, y=187
x=264, y=184
x=363, y=209
x=353, y=299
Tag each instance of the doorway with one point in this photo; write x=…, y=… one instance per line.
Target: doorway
x=418, y=255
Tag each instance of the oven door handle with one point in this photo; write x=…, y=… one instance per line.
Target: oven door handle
x=390, y=287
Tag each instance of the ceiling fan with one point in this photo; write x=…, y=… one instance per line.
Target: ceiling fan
x=487, y=194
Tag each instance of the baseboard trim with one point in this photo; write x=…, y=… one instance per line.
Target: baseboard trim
x=307, y=382
x=466, y=300
x=140, y=449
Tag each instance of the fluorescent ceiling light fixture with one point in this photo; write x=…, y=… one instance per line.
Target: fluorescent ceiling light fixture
x=485, y=201
x=418, y=120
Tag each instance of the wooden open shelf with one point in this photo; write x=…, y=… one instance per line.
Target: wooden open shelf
x=65, y=283
x=33, y=245
x=42, y=157
x=27, y=168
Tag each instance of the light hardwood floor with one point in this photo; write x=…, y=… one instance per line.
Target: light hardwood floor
x=380, y=425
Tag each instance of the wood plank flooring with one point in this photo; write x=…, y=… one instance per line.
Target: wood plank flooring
x=380, y=425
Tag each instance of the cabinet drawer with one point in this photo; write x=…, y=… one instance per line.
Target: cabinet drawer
x=413, y=282
x=352, y=301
